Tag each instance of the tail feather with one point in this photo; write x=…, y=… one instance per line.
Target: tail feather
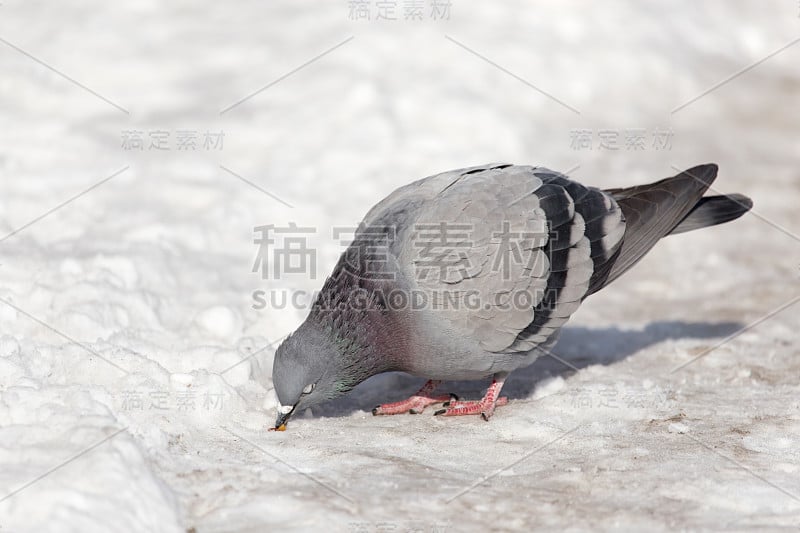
x=669, y=206
x=713, y=210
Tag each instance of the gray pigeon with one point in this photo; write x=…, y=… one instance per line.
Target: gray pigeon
x=471, y=274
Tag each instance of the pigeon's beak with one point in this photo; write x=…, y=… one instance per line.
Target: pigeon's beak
x=280, y=423
x=284, y=412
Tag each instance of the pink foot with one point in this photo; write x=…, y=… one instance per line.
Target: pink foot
x=484, y=407
x=416, y=403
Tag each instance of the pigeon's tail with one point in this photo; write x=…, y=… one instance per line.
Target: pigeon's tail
x=669, y=206
x=713, y=210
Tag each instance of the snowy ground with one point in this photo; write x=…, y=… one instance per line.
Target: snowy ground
x=128, y=397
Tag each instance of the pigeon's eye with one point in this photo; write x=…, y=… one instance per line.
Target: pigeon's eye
x=308, y=388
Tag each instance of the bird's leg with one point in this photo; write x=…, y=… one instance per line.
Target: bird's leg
x=416, y=403
x=484, y=407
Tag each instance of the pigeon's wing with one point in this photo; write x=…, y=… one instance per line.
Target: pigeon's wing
x=504, y=253
x=404, y=203
x=603, y=229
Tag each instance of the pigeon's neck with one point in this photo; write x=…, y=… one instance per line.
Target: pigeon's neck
x=356, y=329
x=355, y=352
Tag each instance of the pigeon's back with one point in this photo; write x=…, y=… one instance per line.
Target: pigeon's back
x=505, y=254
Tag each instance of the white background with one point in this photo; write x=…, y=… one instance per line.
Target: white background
x=151, y=270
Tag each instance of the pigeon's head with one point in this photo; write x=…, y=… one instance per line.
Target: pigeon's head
x=305, y=372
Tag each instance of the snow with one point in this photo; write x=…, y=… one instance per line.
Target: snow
x=135, y=367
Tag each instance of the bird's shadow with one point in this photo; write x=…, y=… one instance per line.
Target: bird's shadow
x=579, y=346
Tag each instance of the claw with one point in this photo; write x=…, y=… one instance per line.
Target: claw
x=415, y=404
x=484, y=407
x=453, y=405
x=453, y=398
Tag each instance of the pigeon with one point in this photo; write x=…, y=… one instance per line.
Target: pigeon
x=471, y=274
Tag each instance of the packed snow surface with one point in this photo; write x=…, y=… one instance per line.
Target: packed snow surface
x=136, y=348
